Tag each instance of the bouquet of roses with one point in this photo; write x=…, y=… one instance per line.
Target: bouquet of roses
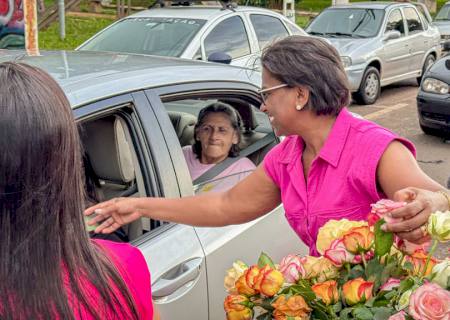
x=363, y=273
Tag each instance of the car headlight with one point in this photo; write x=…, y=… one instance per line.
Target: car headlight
x=435, y=86
x=346, y=61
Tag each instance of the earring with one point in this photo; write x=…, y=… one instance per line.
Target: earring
x=299, y=107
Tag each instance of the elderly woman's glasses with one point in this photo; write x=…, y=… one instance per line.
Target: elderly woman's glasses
x=265, y=93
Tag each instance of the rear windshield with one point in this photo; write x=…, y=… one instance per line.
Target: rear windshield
x=157, y=36
x=347, y=22
x=443, y=14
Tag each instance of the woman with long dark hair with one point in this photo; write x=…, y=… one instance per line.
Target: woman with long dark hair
x=49, y=269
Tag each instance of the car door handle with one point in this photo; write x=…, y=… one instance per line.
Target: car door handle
x=176, y=277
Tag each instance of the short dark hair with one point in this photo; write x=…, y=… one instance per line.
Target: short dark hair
x=312, y=63
x=233, y=116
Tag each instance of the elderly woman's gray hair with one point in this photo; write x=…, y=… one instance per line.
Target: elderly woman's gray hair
x=302, y=61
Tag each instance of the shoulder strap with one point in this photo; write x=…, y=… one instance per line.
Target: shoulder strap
x=218, y=168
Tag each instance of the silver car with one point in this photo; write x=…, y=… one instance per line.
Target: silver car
x=442, y=22
x=379, y=43
x=135, y=113
x=196, y=32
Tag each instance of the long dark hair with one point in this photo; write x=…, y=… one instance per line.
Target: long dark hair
x=47, y=261
x=233, y=116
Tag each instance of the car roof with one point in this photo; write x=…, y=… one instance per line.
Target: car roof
x=90, y=76
x=196, y=12
x=372, y=5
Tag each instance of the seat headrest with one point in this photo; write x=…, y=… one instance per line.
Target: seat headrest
x=246, y=111
x=109, y=149
x=184, y=124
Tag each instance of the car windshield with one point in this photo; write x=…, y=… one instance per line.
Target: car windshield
x=443, y=14
x=347, y=22
x=156, y=36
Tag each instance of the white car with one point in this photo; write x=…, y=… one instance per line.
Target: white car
x=196, y=32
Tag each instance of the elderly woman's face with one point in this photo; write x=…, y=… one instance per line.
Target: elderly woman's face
x=216, y=136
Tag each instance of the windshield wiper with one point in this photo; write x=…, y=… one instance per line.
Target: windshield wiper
x=342, y=34
x=316, y=33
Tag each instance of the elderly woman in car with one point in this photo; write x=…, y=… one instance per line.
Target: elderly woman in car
x=217, y=136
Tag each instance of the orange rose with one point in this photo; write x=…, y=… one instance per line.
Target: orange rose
x=243, y=288
x=250, y=276
x=236, y=308
x=357, y=290
x=319, y=268
x=358, y=239
x=295, y=307
x=269, y=281
x=327, y=291
x=419, y=259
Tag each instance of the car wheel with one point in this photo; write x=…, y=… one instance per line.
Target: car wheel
x=369, y=89
x=430, y=131
x=429, y=61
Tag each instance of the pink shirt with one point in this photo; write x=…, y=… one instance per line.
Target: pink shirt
x=132, y=267
x=233, y=173
x=341, y=181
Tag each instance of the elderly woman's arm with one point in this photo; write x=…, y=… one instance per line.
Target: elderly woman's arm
x=401, y=179
x=251, y=198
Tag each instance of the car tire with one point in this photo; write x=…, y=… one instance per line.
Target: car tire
x=369, y=89
x=429, y=61
x=430, y=131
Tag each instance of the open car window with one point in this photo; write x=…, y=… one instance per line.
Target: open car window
x=221, y=184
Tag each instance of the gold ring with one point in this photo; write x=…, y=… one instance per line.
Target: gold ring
x=424, y=229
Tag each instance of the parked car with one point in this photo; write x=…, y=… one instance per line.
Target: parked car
x=196, y=32
x=379, y=43
x=135, y=113
x=433, y=98
x=442, y=22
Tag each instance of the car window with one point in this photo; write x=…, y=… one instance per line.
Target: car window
x=255, y=126
x=294, y=29
x=347, y=22
x=443, y=14
x=412, y=20
x=157, y=36
x=267, y=29
x=228, y=36
x=395, y=22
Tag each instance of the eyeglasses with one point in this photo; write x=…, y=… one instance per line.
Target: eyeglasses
x=208, y=129
x=265, y=93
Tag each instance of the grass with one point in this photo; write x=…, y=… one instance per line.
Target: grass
x=78, y=30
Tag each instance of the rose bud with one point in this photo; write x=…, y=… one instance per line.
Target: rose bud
x=327, y=291
x=294, y=307
x=236, y=307
x=359, y=239
x=292, y=269
x=357, y=290
x=269, y=281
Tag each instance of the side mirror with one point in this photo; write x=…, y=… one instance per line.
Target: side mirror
x=220, y=57
x=391, y=35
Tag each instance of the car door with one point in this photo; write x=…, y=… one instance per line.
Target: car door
x=395, y=52
x=173, y=252
x=230, y=36
x=270, y=233
x=417, y=40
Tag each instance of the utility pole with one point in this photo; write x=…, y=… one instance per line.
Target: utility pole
x=337, y=2
x=31, y=27
x=62, y=19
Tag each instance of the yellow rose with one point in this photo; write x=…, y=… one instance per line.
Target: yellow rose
x=357, y=290
x=269, y=281
x=327, y=291
x=232, y=275
x=358, y=239
x=295, y=307
x=236, y=307
x=334, y=229
x=419, y=259
x=439, y=226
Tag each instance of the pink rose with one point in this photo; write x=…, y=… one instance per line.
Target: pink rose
x=384, y=206
x=291, y=268
x=398, y=316
x=338, y=254
x=408, y=247
x=430, y=302
x=390, y=284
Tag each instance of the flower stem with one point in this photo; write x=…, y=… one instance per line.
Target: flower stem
x=363, y=258
x=430, y=254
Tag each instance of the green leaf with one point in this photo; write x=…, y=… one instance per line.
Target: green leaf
x=264, y=260
x=344, y=315
x=405, y=285
x=383, y=240
x=382, y=313
x=356, y=272
x=319, y=314
x=265, y=316
x=362, y=313
x=337, y=307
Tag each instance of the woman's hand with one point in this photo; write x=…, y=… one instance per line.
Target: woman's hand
x=113, y=214
x=420, y=204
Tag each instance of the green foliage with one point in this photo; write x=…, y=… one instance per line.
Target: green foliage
x=383, y=240
x=78, y=30
x=264, y=260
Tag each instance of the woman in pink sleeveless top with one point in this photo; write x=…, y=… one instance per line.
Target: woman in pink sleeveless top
x=331, y=165
x=49, y=269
